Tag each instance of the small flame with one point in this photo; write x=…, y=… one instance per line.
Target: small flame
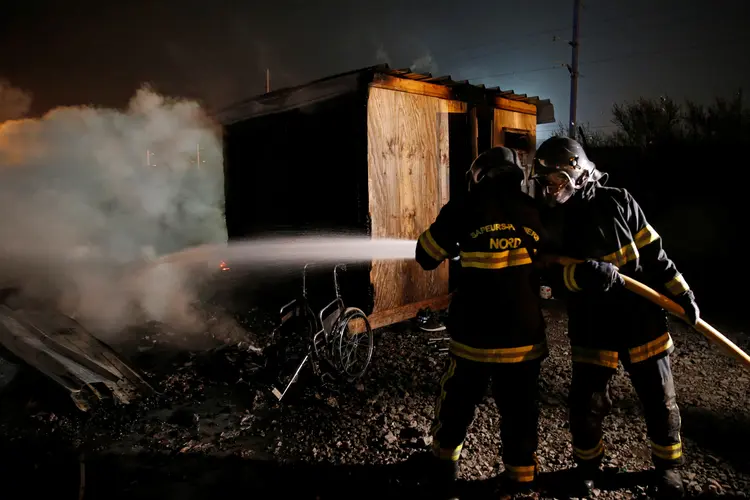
x=223, y=266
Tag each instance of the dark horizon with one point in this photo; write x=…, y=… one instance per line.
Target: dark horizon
x=100, y=54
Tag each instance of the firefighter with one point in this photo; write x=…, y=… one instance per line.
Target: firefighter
x=494, y=320
x=592, y=222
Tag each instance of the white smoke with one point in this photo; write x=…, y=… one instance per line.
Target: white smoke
x=381, y=56
x=88, y=195
x=424, y=64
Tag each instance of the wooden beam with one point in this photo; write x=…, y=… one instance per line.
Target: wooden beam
x=517, y=106
x=412, y=86
x=474, y=132
x=396, y=315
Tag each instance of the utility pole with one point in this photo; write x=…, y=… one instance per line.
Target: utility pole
x=740, y=134
x=268, y=81
x=573, y=68
x=198, y=155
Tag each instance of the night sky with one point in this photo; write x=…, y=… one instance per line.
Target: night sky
x=100, y=52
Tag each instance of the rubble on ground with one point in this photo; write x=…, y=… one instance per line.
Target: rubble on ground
x=211, y=408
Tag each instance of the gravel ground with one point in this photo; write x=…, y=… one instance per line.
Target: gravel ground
x=213, y=430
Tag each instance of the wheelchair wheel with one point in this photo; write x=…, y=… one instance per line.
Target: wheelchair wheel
x=354, y=350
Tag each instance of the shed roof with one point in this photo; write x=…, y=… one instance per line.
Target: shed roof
x=332, y=86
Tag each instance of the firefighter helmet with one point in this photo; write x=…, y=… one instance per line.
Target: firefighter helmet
x=498, y=163
x=561, y=167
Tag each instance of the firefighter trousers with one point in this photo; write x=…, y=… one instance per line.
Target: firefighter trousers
x=515, y=388
x=590, y=402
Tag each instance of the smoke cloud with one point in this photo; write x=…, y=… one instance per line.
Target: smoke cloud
x=423, y=64
x=381, y=56
x=88, y=196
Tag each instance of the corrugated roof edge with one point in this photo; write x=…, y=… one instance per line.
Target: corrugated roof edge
x=331, y=86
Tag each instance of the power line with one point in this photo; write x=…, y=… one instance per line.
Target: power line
x=505, y=40
x=534, y=34
x=670, y=21
x=587, y=36
x=697, y=46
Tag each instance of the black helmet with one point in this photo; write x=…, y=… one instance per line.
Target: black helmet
x=497, y=163
x=561, y=167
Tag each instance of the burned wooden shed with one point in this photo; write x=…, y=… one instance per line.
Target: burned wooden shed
x=375, y=151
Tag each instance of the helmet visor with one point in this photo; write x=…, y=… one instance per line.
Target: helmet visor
x=557, y=186
x=557, y=178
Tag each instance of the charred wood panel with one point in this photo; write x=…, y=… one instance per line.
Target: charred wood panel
x=300, y=172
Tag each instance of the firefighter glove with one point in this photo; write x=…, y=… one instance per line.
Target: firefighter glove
x=687, y=302
x=594, y=275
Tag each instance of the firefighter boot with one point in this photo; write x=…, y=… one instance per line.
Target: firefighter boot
x=513, y=490
x=669, y=484
x=437, y=475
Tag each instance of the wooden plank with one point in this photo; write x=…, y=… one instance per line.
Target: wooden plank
x=519, y=121
x=474, y=132
x=399, y=314
x=515, y=120
x=408, y=169
x=412, y=86
x=443, y=159
x=514, y=105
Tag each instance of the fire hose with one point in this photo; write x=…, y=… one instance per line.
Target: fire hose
x=725, y=345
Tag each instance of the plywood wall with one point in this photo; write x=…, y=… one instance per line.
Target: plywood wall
x=512, y=119
x=408, y=154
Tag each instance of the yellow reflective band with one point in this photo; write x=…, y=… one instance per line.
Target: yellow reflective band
x=441, y=397
x=502, y=355
x=672, y=452
x=521, y=474
x=626, y=254
x=599, y=357
x=452, y=454
x=677, y=285
x=653, y=348
x=531, y=233
x=645, y=236
x=430, y=246
x=569, y=278
x=495, y=260
x=591, y=453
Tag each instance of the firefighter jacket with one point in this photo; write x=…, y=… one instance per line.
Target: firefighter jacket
x=495, y=313
x=607, y=224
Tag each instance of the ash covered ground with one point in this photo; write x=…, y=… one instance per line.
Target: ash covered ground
x=213, y=431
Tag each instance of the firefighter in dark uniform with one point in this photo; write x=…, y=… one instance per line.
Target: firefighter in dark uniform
x=494, y=320
x=590, y=221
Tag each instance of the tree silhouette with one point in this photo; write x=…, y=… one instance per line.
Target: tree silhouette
x=648, y=123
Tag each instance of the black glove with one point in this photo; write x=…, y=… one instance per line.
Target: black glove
x=599, y=276
x=687, y=302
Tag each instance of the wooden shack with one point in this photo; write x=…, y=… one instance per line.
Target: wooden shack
x=374, y=151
